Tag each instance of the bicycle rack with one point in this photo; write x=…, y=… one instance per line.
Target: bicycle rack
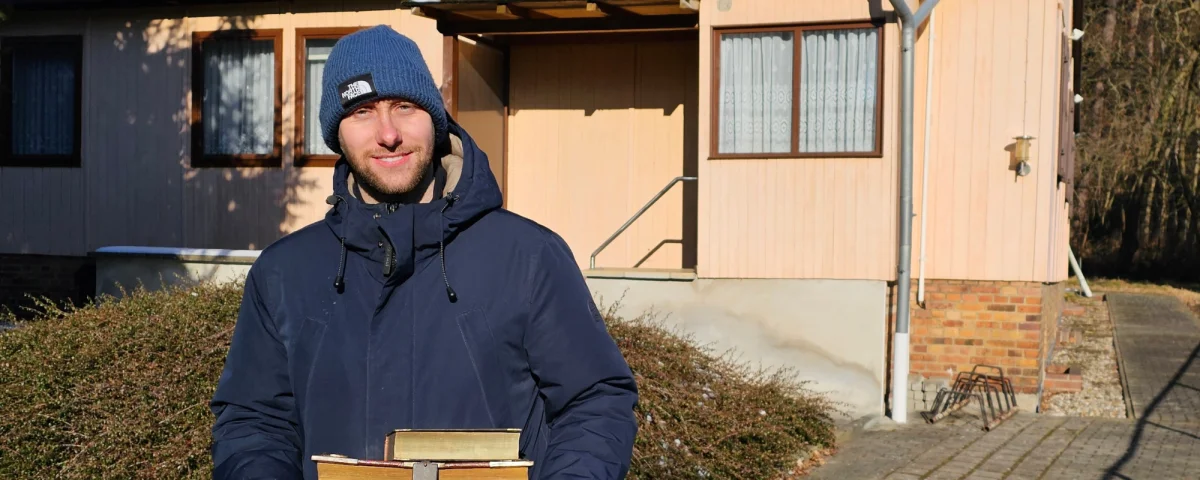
x=993, y=391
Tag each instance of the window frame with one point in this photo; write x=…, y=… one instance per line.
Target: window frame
x=7, y=158
x=299, y=158
x=200, y=159
x=797, y=30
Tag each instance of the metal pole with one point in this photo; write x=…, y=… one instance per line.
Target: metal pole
x=909, y=22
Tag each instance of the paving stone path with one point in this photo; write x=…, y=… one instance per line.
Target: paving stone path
x=1158, y=340
x=1158, y=345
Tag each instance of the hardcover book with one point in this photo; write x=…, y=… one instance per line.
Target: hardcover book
x=333, y=467
x=453, y=444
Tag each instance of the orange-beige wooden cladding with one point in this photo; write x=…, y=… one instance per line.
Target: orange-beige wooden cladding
x=996, y=75
x=136, y=185
x=596, y=129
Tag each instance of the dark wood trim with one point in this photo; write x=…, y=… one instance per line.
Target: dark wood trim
x=775, y=156
x=599, y=37
x=609, y=9
x=199, y=158
x=880, y=91
x=805, y=26
x=299, y=158
x=7, y=158
x=577, y=25
x=1066, y=120
x=493, y=42
x=1077, y=59
x=521, y=12
x=714, y=106
x=797, y=59
x=507, y=101
x=450, y=74
x=797, y=32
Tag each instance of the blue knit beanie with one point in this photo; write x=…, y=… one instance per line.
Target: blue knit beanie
x=375, y=63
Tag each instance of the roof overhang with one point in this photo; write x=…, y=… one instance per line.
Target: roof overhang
x=464, y=17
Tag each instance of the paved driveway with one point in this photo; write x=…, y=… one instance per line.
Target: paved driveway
x=1158, y=341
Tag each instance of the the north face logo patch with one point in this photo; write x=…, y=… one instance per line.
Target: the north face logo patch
x=356, y=88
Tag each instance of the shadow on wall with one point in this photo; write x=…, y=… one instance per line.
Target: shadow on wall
x=149, y=190
x=603, y=102
x=148, y=187
x=244, y=207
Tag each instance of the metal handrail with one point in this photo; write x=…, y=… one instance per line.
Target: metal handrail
x=638, y=214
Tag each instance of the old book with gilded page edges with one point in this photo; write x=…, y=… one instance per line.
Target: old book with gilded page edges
x=453, y=444
x=454, y=454
x=332, y=467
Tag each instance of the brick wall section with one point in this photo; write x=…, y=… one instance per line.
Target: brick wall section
x=1063, y=379
x=965, y=323
x=1052, y=307
x=59, y=278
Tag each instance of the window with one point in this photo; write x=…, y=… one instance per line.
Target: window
x=805, y=91
x=40, y=98
x=236, y=98
x=313, y=46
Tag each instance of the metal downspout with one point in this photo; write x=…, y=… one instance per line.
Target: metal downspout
x=909, y=22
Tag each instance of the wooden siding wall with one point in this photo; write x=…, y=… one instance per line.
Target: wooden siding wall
x=984, y=222
x=42, y=210
x=596, y=129
x=792, y=218
x=806, y=217
x=136, y=186
x=481, y=96
x=836, y=217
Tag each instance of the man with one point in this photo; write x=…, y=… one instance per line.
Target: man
x=416, y=303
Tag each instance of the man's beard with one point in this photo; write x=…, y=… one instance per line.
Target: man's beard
x=373, y=183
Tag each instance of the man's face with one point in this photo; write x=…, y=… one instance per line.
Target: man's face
x=389, y=145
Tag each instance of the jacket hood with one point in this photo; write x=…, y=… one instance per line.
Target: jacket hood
x=464, y=190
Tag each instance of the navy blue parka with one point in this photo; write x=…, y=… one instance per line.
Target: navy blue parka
x=450, y=314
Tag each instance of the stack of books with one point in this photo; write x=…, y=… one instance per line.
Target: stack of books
x=467, y=454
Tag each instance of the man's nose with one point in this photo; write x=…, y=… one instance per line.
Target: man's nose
x=388, y=134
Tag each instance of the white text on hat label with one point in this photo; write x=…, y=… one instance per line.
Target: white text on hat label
x=356, y=87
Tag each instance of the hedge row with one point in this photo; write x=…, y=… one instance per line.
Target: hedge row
x=119, y=389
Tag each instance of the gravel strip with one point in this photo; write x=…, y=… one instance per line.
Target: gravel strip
x=1095, y=353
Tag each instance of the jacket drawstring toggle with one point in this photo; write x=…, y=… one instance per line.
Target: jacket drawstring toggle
x=450, y=199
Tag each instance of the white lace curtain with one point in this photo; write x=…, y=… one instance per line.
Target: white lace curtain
x=239, y=96
x=756, y=93
x=837, y=91
x=43, y=100
x=318, y=51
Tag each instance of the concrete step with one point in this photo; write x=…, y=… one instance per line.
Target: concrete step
x=674, y=274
